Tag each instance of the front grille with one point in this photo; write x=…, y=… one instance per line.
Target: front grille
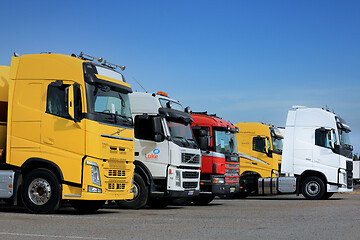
x=349, y=165
x=227, y=165
x=190, y=184
x=232, y=158
x=349, y=179
x=116, y=173
x=190, y=175
x=115, y=186
x=232, y=171
x=190, y=158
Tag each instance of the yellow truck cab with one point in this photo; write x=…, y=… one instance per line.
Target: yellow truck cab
x=66, y=133
x=260, y=149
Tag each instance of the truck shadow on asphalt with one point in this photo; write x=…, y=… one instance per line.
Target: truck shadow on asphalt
x=287, y=199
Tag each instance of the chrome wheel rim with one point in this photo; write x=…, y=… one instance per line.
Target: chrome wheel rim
x=313, y=188
x=39, y=191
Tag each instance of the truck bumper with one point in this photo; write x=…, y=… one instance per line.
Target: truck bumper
x=176, y=194
x=335, y=189
x=218, y=189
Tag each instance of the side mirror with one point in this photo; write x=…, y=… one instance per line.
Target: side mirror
x=203, y=143
x=202, y=133
x=331, y=139
x=70, y=101
x=157, y=130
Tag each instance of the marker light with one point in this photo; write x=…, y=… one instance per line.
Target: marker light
x=162, y=93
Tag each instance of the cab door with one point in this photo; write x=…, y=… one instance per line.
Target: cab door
x=324, y=158
x=63, y=138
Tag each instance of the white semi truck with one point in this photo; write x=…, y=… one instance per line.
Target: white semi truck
x=167, y=157
x=317, y=156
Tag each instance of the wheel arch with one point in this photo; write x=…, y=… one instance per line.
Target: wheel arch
x=143, y=171
x=34, y=163
x=310, y=173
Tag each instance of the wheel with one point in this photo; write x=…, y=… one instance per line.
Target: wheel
x=87, y=206
x=203, y=200
x=184, y=201
x=41, y=191
x=140, y=195
x=327, y=195
x=158, y=203
x=313, y=188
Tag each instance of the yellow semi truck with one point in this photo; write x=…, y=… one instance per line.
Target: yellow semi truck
x=260, y=149
x=66, y=133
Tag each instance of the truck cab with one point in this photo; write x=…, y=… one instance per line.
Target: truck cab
x=260, y=149
x=220, y=161
x=167, y=157
x=69, y=133
x=317, y=152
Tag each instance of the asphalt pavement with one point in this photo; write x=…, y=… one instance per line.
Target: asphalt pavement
x=270, y=217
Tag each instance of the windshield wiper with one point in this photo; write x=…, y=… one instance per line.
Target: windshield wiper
x=112, y=115
x=183, y=139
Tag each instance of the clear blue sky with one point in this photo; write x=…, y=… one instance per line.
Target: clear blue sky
x=244, y=60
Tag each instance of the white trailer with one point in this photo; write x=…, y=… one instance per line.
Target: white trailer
x=317, y=156
x=167, y=157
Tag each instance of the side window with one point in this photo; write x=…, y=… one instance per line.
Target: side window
x=322, y=138
x=259, y=144
x=144, y=128
x=55, y=102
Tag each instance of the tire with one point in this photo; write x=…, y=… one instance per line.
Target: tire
x=313, y=188
x=203, y=200
x=141, y=195
x=184, y=201
x=41, y=191
x=87, y=206
x=158, y=203
x=327, y=195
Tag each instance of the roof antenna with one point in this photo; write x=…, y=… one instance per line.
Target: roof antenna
x=140, y=84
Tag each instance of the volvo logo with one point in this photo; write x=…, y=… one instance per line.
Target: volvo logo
x=117, y=132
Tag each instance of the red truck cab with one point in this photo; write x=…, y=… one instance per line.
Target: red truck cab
x=220, y=161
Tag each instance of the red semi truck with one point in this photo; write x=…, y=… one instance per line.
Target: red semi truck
x=220, y=160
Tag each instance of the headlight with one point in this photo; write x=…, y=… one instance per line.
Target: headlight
x=218, y=180
x=343, y=178
x=94, y=189
x=95, y=173
x=177, y=178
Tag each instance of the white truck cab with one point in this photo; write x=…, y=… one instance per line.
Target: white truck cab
x=317, y=155
x=167, y=157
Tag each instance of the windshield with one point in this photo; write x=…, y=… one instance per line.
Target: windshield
x=174, y=105
x=181, y=134
x=110, y=102
x=225, y=142
x=277, y=145
x=344, y=138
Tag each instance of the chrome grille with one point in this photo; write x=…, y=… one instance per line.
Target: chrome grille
x=190, y=158
x=232, y=171
x=231, y=165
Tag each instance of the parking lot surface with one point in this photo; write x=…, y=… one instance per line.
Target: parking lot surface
x=269, y=217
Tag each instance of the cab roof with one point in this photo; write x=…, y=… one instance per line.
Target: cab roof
x=204, y=118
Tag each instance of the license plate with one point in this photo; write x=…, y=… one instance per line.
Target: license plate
x=232, y=189
x=192, y=192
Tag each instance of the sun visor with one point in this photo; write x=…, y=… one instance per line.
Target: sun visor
x=175, y=115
